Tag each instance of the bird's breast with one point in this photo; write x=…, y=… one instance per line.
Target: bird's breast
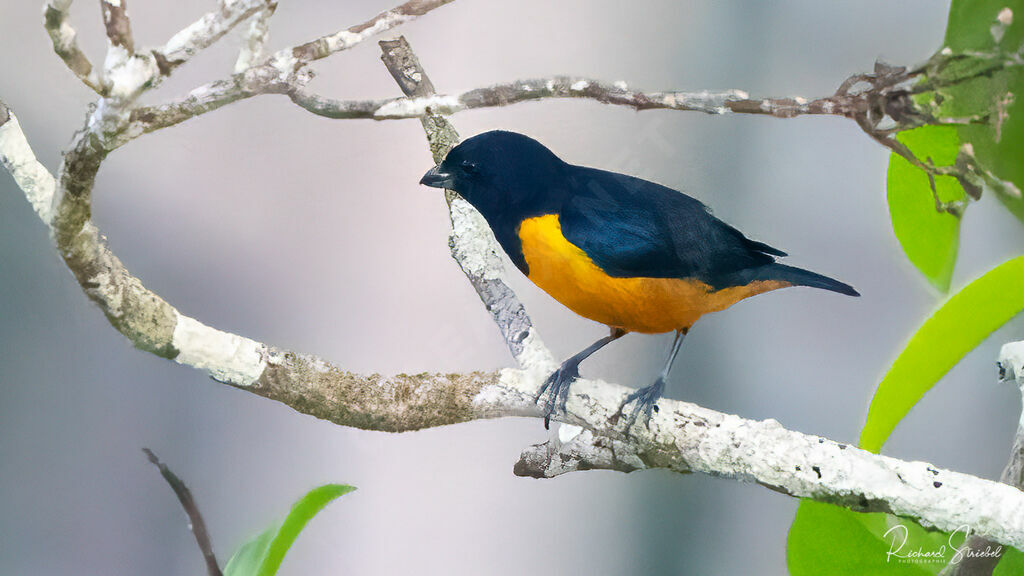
x=639, y=304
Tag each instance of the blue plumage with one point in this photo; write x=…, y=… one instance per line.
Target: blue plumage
x=628, y=226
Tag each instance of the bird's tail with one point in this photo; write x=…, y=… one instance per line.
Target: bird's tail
x=801, y=277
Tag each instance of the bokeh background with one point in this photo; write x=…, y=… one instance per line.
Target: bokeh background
x=312, y=234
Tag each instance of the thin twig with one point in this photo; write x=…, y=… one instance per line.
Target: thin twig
x=868, y=98
x=117, y=24
x=204, y=32
x=255, y=39
x=954, y=208
x=616, y=93
x=326, y=45
x=470, y=234
x=196, y=523
x=65, y=42
x=284, y=72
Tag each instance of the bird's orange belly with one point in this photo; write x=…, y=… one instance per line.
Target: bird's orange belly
x=650, y=305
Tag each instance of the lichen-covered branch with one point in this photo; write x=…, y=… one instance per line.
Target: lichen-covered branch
x=617, y=93
x=206, y=98
x=880, y=102
x=117, y=24
x=204, y=32
x=284, y=72
x=65, y=42
x=882, y=110
x=255, y=39
x=1011, y=367
x=213, y=95
x=472, y=244
x=343, y=40
x=681, y=436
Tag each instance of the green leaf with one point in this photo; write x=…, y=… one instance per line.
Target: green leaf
x=928, y=236
x=998, y=144
x=249, y=557
x=970, y=25
x=952, y=331
x=1012, y=563
x=827, y=539
x=262, y=556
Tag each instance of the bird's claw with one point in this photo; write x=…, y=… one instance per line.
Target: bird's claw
x=646, y=403
x=555, y=391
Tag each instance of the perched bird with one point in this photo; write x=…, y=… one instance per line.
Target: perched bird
x=625, y=252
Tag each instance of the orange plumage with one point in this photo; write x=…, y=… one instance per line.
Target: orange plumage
x=649, y=305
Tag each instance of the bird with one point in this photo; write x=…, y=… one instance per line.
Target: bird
x=616, y=249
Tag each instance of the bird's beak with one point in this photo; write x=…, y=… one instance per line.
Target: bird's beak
x=437, y=179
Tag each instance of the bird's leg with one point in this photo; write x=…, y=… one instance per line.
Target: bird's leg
x=557, y=384
x=646, y=398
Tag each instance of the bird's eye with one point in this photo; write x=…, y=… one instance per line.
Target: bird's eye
x=469, y=168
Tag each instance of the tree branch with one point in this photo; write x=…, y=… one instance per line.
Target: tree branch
x=1011, y=368
x=65, y=42
x=17, y=158
x=285, y=71
x=255, y=39
x=204, y=32
x=681, y=437
x=326, y=45
x=559, y=87
x=117, y=24
x=887, y=99
x=880, y=102
x=472, y=244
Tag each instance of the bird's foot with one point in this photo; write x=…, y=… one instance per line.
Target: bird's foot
x=646, y=403
x=555, y=390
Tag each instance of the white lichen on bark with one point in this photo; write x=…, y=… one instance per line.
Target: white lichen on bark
x=688, y=438
x=254, y=39
x=33, y=178
x=1011, y=360
x=343, y=40
x=127, y=75
x=416, y=107
x=65, y=42
x=1011, y=366
x=226, y=357
x=208, y=29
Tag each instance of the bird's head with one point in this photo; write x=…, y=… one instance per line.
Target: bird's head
x=497, y=172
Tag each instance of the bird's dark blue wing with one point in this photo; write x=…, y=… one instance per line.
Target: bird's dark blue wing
x=631, y=227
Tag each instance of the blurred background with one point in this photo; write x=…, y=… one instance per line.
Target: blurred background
x=312, y=234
